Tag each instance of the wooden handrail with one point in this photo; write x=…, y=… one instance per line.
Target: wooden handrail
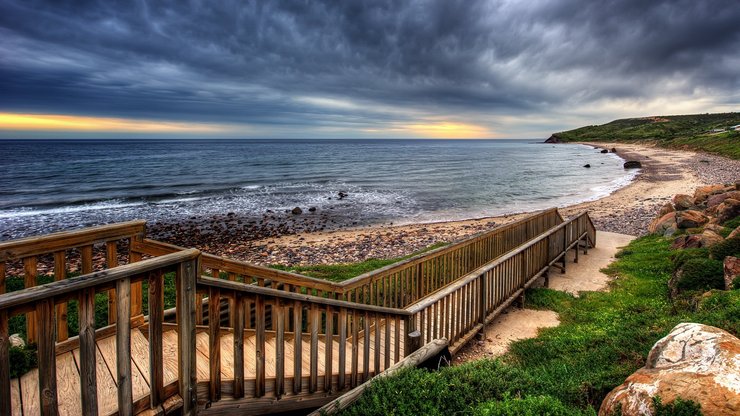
x=291, y=296
x=65, y=240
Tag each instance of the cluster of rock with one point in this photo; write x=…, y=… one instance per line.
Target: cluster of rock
x=699, y=220
x=693, y=362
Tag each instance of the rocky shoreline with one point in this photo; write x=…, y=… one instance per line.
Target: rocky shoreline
x=320, y=238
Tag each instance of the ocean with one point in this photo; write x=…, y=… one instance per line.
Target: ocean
x=51, y=185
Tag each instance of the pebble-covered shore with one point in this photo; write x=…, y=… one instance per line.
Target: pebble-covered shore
x=321, y=238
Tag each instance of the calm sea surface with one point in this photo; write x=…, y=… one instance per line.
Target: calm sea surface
x=51, y=185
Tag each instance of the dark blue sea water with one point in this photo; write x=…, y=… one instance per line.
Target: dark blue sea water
x=51, y=185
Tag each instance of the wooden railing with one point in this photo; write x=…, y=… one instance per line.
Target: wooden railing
x=460, y=310
x=60, y=250
x=397, y=285
x=43, y=299
x=359, y=341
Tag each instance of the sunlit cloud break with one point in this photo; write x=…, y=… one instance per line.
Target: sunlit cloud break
x=57, y=122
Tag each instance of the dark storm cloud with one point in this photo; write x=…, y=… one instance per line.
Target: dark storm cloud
x=253, y=62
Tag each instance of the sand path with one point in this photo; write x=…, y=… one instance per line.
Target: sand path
x=515, y=323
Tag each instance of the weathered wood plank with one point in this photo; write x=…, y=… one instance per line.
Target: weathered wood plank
x=238, y=317
x=342, y=347
x=111, y=261
x=328, y=348
x=214, y=344
x=4, y=365
x=297, y=346
x=46, y=337
x=123, y=346
x=280, y=350
x=29, y=280
x=88, y=372
x=60, y=273
x=185, y=278
x=314, y=349
x=259, y=306
x=156, y=317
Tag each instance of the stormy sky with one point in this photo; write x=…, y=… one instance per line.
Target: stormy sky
x=446, y=68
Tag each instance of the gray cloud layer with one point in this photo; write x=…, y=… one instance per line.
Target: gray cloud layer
x=346, y=64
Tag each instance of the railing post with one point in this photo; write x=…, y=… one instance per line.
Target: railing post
x=483, y=306
x=186, y=285
x=123, y=345
x=412, y=340
x=565, y=248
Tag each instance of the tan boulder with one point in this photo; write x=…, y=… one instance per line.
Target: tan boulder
x=735, y=232
x=665, y=209
x=710, y=238
x=660, y=224
x=703, y=192
x=717, y=199
x=682, y=202
x=694, y=362
x=687, y=241
x=690, y=219
x=732, y=270
x=728, y=209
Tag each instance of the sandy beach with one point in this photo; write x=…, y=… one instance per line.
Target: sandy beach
x=627, y=211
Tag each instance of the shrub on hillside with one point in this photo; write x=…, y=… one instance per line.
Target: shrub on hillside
x=680, y=257
x=678, y=407
x=700, y=274
x=729, y=247
x=528, y=406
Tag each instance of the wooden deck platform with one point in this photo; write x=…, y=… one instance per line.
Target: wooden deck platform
x=25, y=391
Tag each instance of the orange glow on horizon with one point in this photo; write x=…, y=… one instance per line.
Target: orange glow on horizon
x=57, y=122
x=450, y=130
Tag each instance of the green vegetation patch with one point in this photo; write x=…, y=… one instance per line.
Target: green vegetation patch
x=345, y=271
x=603, y=338
x=705, y=132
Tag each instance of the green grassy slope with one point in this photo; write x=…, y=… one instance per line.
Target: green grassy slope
x=688, y=131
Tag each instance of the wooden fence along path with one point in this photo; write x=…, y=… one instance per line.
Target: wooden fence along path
x=244, y=338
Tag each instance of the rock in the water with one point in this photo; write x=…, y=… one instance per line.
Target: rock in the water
x=632, y=164
x=710, y=238
x=312, y=209
x=660, y=224
x=297, y=211
x=703, y=192
x=690, y=219
x=694, y=362
x=614, y=150
x=587, y=165
x=342, y=194
x=682, y=202
x=687, y=241
x=604, y=151
x=553, y=139
x=732, y=270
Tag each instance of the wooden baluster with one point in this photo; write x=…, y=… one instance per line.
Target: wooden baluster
x=214, y=344
x=376, y=319
x=2, y=278
x=328, y=348
x=355, y=347
x=111, y=261
x=46, y=336
x=342, y=348
x=123, y=347
x=137, y=298
x=88, y=375
x=86, y=257
x=280, y=350
x=4, y=361
x=259, y=307
x=297, y=346
x=60, y=273
x=397, y=342
x=156, y=316
x=232, y=277
x=30, y=273
x=387, y=342
x=314, y=354
x=185, y=286
x=239, y=346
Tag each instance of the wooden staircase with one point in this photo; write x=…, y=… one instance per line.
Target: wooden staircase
x=246, y=339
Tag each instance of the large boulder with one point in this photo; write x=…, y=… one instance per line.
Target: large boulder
x=694, y=362
x=710, y=238
x=682, y=202
x=687, y=241
x=734, y=232
x=728, y=210
x=703, y=192
x=717, y=199
x=660, y=224
x=632, y=164
x=731, y=267
x=667, y=208
x=690, y=219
